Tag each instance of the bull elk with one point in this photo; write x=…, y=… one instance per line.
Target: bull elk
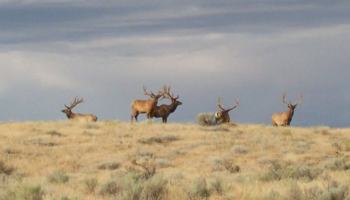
x=163, y=111
x=285, y=118
x=145, y=106
x=222, y=115
x=77, y=116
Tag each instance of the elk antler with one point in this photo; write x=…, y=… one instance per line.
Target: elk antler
x=220, y=106
x=170, y=95
x=147, y=93
x=75, y=102
x=284, y=99
x=301, y=99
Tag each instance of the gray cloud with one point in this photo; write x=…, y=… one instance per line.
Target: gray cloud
x=105, y=51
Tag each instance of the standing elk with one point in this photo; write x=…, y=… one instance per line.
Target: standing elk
x=285, y=118
x=163, y=111
x=145, y=106
x=77, y=116
x=222, y=115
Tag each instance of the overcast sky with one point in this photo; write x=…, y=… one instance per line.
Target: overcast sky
x=104, y=51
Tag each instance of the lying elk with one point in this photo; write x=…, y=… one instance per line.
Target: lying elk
x=77, y=116
x=222, y=115
x=163, y=111
x=145, y=106
x=284, y=118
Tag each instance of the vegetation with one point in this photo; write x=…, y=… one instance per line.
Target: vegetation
x=152, y=161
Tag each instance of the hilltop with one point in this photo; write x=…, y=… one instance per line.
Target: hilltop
x=119, y=160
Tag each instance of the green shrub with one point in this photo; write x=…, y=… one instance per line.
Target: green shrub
x=24, y=192
x=58, y=177
x=154, y=189
x=338, y=164
x=111, y=188
x=199, y=189
x=216, y=186
x=158, y=139
x=206, y=119
x=278, y=172
x=91, y=185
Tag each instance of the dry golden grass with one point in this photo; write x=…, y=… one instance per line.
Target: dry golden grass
x=119, y=160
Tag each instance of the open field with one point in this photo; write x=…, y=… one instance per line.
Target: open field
x=117, y=160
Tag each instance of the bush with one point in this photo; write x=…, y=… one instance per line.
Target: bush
x=109, y=166
x=24, y=192
x=158, y=139
x=240, y=149
x=58, y=177
x=154, y=189
x=91, y=185
x=334, y=191
x=278, y=172
x=4, y=169
x=199, y=189
x=111, y=188
x=216, y=186
x=231, y=167
x=338, y=164
x=206, y=119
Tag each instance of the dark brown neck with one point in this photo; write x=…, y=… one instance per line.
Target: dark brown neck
x=70, y=114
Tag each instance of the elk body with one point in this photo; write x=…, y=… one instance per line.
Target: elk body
x=145, y=106
x=222, y=115
x=163, y=111
x=285, y=118
x=77, y=116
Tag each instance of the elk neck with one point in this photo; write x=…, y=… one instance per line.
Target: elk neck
x=70, y=114
x=290, y=113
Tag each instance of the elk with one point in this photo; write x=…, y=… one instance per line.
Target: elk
x=222, y=115
x=285, y=118
x=145, y=106
x=163, y=111
x=77, y=116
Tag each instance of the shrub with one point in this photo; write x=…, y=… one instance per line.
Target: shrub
x=278, y=172
x=216, y=186
x=206, y=119
x=154, y=189
x=158, y=139
x=24, y=192
x=295, y=193
x=334, y=191
x=231, y=167
x=199, y=189
x=240, y=149
x=58, y=177
x=109, y=166
x=132, y=186
x=54, y=133
x=338, y=164
x=111, y=188
x=5, y=169
x=91, y=185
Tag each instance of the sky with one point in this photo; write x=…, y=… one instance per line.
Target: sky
x=105, y=51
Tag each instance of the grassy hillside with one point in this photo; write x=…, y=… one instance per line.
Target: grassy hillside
x=117, y=160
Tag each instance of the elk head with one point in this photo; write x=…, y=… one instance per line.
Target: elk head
x=290, y=105
x=222, y=115
x=171, y=96
x=68, y=109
